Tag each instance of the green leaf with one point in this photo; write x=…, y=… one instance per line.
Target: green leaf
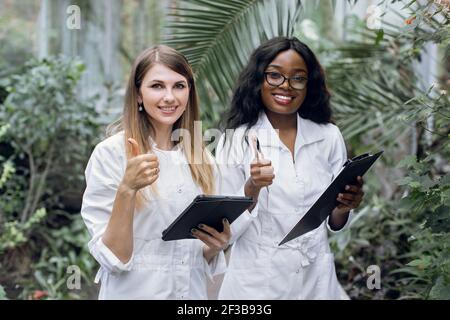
x=426, y=183
x=380, y=34
x=407, y=162
x=404, y=181
x=445, y=197
x=445, y=180
x=415, y=184
x=440, y=290
x=439, y=220
x=2, y=293
x=420, y=263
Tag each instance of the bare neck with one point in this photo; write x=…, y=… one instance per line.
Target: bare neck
x=282, y=122
x=162, y=136
x=286, y=127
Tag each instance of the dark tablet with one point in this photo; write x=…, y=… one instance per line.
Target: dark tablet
x=322, y=208
x=209, y=210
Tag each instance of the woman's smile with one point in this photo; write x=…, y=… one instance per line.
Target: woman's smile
x=283, y=99
x=168, y=110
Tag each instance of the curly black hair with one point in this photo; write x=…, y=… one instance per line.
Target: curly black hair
x=246, y=103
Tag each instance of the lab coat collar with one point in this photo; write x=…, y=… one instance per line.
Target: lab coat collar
x=308, y=132
x=154, y=146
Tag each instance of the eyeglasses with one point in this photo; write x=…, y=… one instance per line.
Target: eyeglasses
x=276, y=79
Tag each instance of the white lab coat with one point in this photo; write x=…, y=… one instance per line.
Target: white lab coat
x=302, y=268
x=157, y=269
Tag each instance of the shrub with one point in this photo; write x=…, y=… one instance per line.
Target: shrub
x=49, y=135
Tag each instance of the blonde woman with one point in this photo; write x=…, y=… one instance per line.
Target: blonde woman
x=139, y=180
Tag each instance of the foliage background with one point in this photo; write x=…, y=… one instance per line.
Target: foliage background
x=60, y=87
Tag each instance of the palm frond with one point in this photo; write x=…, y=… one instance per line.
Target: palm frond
x=217, y=37
x=370, y=84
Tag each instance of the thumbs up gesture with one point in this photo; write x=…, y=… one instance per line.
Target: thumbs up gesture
x=142, y=169
x=261, y=170
x=261, y=173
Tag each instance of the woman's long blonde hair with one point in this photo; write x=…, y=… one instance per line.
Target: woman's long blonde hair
x=138, y=126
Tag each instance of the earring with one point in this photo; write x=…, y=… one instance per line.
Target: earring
x=140, y=107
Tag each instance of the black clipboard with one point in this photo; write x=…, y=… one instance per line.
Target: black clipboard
x=322, y=208
x=209, y=210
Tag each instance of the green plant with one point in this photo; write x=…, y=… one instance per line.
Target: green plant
x=378, y=235
x=427, y=182
x=2, y=294
x=380, y=102
x=407, y=237
x=51, y=132
x=65, y=247
x=372, y=76
x=15, y=233
x=428, y=201
x=45, y=114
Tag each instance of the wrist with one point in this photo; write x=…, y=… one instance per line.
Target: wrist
x=341, y=212
x=126, y=190
x=208, y=249
x=209, y=253
x=251, y=190
x=338, y=219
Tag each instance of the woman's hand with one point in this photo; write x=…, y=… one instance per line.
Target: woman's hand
x=214, y=240
x=142, y=169
x=261, y=172
x=261, y=175
x=352, y=198
x=349, y=200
